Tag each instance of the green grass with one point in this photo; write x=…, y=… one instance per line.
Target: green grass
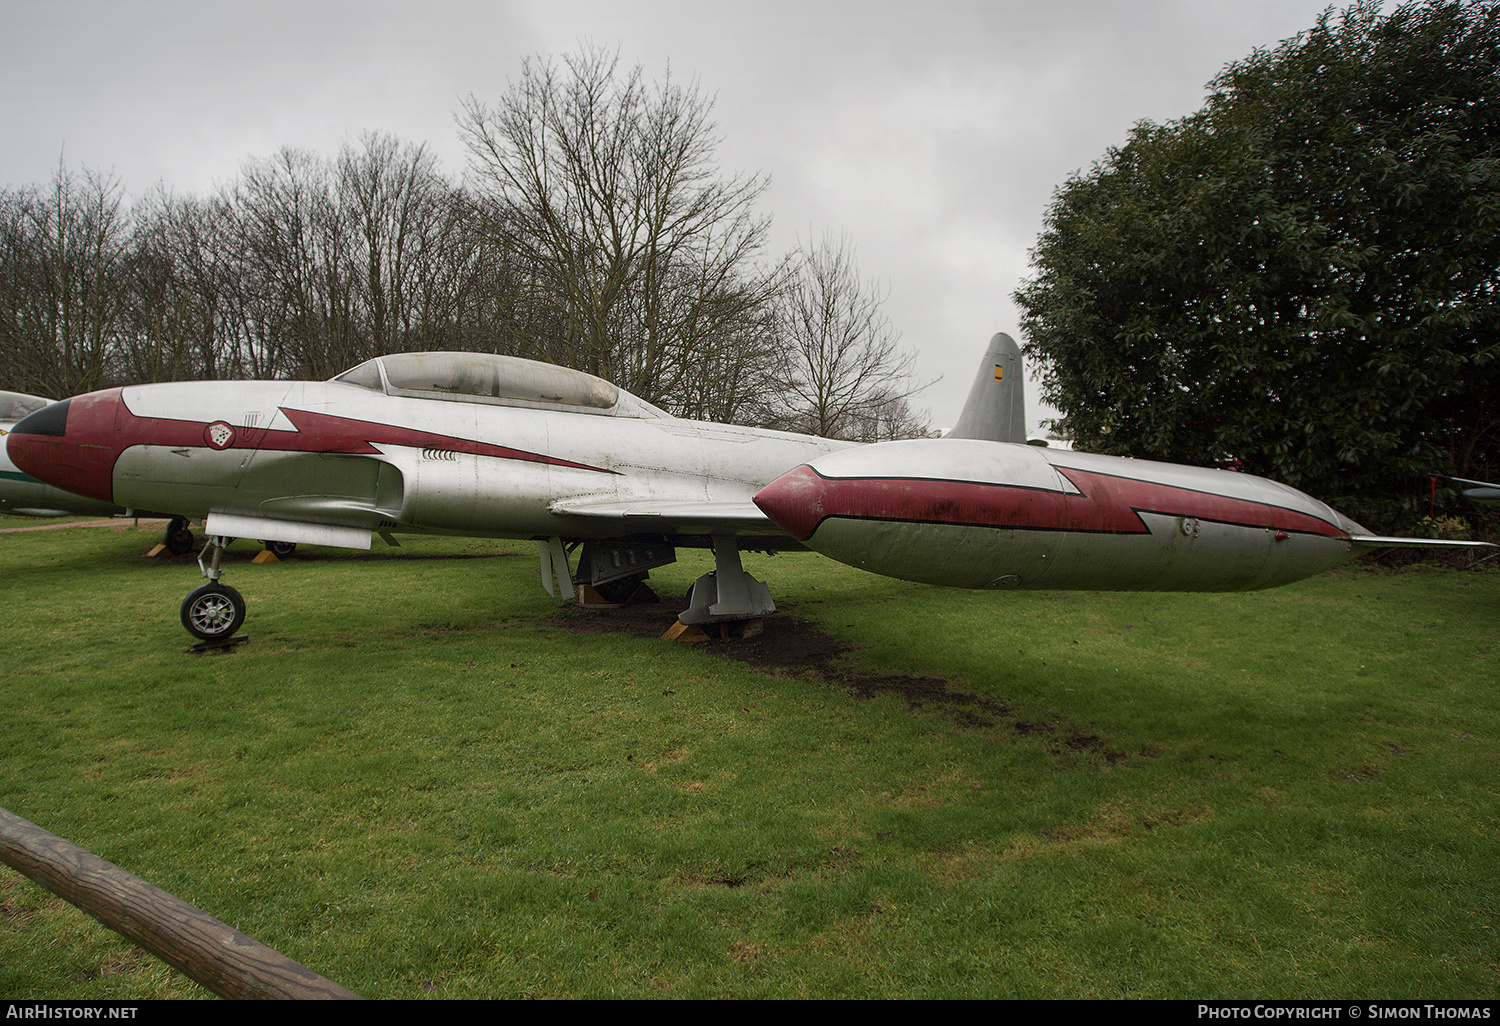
x=418, y=781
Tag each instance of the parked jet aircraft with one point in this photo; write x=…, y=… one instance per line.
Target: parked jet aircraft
x=472, y=444
x=980, y=514
x=445, y=443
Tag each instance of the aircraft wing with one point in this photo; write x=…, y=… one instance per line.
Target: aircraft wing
x=1371, y=541
x=673, y=517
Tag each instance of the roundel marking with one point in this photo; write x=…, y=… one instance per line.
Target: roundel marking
x=218, y=435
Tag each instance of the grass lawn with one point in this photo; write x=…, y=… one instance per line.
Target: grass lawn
x=423, y=777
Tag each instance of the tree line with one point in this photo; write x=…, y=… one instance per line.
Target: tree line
x=592, y=230
x=1303, y=278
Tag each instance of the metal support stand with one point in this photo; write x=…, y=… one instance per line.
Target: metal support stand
x=729, y=593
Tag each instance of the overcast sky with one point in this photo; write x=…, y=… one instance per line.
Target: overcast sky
x=932, y=133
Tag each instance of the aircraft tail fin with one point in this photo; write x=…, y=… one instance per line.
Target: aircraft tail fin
x=996, y=408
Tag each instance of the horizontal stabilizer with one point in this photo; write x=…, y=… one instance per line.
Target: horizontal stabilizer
x=1479, y=491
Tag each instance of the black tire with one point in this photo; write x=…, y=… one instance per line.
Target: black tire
x=213, y=612
x=281, y=550
x=619, y=590
x=179, y=537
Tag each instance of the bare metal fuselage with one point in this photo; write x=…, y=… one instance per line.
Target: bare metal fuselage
x=474, y=444
x=308, y=454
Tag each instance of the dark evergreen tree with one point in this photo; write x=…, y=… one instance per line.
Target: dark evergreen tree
x=1301, y=277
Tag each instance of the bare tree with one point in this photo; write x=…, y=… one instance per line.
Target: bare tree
x=25, y=361
x=299, y=302
x=404, y=217
x=64, y=282
x=638, y=254
x=839, y=371
x=184, y=277
x=301, y=267
x=628, y=256
x=157, y=340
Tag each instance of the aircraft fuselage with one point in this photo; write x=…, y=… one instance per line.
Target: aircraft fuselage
x=335, y=454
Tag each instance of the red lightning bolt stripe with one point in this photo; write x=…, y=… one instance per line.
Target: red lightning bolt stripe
x=319, y=432
x=322, y=432
x=802, y=499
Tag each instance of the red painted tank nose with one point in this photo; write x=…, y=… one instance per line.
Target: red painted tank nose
x=795, y=501
x=71, y=445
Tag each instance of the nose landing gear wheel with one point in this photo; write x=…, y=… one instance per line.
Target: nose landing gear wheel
x=213, y=612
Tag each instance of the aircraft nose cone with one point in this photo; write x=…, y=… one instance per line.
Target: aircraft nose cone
x=794, y=501
x=70, y=445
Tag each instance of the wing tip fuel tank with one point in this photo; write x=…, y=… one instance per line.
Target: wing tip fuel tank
x=794, y=501
x=971, y=513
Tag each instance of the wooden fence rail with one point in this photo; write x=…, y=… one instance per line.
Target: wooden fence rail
x=218, y=956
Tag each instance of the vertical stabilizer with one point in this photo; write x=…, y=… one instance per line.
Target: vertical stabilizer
x=996, y=408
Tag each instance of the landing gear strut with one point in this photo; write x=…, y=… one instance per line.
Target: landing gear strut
x=212, y=612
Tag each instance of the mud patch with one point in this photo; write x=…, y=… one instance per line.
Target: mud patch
x=793, y=647
x=789, y=647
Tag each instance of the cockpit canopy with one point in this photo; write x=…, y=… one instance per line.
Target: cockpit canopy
x=15, y=405
x=497, y=381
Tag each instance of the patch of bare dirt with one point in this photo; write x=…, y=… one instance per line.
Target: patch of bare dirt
x=793, y=647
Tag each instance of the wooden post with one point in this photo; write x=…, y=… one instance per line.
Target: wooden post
x=218, y=956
